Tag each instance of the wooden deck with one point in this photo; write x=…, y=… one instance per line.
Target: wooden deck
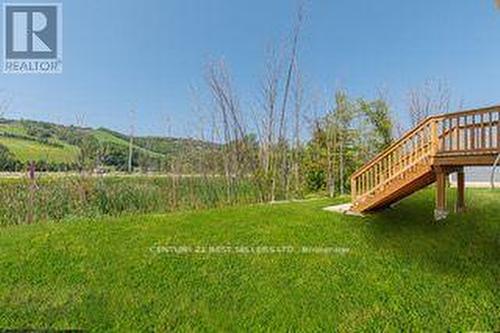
x=438, y=146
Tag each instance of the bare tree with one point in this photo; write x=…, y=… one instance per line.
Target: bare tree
x=343, y=117
x=269, y=103
x=292, y=65
x=172, y=165
x=227, y=109
x=5, y=103
x=298, y=94
x=268, y=160
x=131, y=141
x=432, y=97
x=331, y=129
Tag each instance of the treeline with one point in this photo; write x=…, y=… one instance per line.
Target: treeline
x=349, y=135
x=287, y=141
x=291, y=139
x=295, y=153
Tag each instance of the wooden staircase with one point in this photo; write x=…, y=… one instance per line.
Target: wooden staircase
x=436, y=147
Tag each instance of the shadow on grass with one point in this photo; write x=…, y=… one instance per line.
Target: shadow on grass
x=463, y=244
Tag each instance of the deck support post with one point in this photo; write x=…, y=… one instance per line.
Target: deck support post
x=460, y=205
x=440, y=211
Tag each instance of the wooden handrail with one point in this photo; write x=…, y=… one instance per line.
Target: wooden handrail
x=395, y=144
x=434, y=135
x=470, y=112
x=418, y=126
x=399, y=173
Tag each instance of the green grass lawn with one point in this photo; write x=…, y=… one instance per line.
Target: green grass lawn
x=401, y=270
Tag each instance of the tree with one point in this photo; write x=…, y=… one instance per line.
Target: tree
x=227, y=111
x=344, y=115
x=351, y=132
x=88, y=157
x=131, y=142
x=379, y=117
x=5, y=103
x=292, y=66
x=331, y=130
x=269, y=97
x=8, y=161
x=433, y=97
x=298, y=96
x=315, y=159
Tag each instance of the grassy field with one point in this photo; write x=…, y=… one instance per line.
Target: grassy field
x=104, y=136
x=397, y=269
x=26, y=150
x=13, y=128
x=54, y=143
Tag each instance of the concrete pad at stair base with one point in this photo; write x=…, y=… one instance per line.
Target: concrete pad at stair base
x=342, y=209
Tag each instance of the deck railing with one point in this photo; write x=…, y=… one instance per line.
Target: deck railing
x=470, y=131
x=467, y=132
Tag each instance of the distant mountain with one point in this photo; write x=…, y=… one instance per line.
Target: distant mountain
x=59, y=147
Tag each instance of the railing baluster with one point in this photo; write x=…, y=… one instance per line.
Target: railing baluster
x=443, y=135
x=450, y=134
x=361, y=184
x=366, y=182
x=490, y=136
x=466, y=134
x=482, y=131
x=390, y=165
x=370, y=181
x=498, y=130
x=420, y=143
x=473, y=133
x=386, y=167
x=378, y=172
x=382, y=171
x=434, y=137
x=397, y=163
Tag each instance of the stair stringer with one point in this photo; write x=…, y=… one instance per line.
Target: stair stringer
x=412, y=180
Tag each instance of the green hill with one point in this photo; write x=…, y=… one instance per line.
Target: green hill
x=27, y=150
x=104, y=135
x=59, y=147
x=156, y=144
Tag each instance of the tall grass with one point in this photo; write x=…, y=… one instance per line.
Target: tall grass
x=65, y=197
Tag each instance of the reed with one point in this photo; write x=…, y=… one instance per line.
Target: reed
x=57, y=198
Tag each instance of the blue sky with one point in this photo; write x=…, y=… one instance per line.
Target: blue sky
x=121, y=54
